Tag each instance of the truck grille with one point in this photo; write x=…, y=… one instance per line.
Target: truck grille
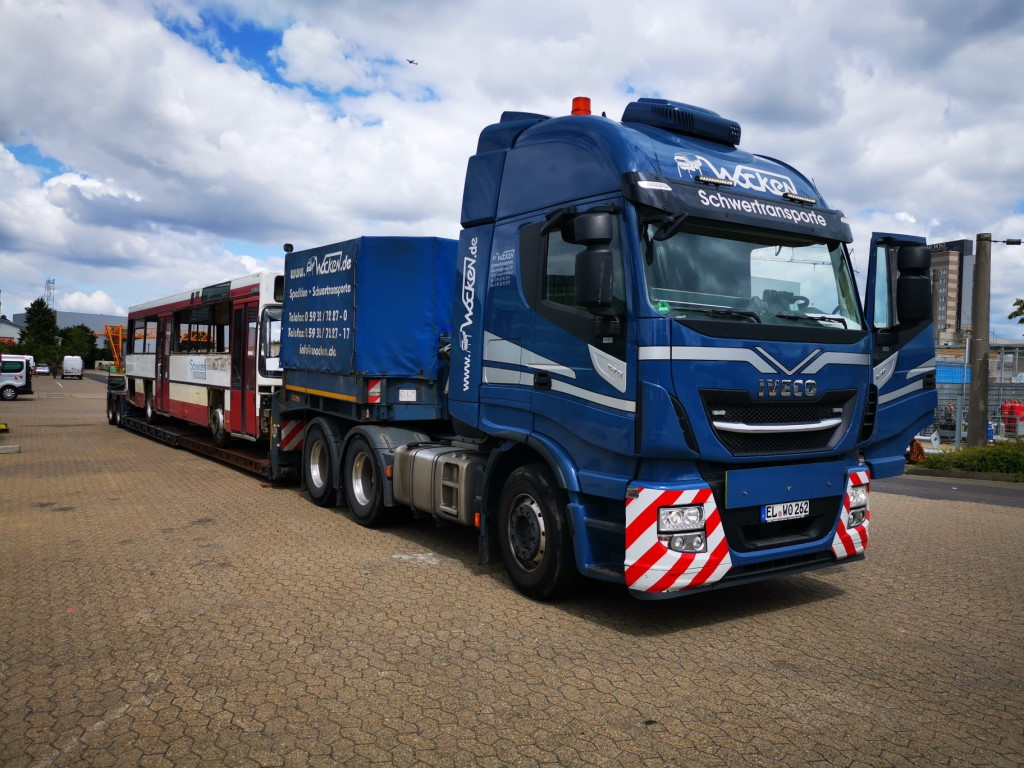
x=749, y=427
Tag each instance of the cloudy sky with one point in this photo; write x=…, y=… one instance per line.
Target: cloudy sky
x=148, y=147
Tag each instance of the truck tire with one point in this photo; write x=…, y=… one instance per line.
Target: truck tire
x=150, y=412
x=8, y=393
x=111, y=410
x=364, y=491
x=318, y=466
x=534, y=536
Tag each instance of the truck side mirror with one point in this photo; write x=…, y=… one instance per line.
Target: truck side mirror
x=913, y=286
x=594, y=264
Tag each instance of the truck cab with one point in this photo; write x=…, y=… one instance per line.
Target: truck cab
x=671, y=326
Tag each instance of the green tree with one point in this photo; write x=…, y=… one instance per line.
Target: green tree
x=1018, y=311
x=78, y=340
x=40, y=337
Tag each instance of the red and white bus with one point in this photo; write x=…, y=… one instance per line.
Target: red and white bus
x=210, y=356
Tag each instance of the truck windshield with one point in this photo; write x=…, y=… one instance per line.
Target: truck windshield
x=749, y=276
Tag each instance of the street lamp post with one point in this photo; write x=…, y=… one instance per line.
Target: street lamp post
x=977, y=413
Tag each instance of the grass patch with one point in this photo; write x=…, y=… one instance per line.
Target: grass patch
x=1001, y=459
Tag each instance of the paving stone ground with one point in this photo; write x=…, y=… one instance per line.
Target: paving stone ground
x=158, y=609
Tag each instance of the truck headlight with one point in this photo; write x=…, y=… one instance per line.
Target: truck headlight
x=858, y=506
x=681, y=529
x=674, y=519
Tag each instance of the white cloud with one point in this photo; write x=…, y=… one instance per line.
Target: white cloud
x=96, y=302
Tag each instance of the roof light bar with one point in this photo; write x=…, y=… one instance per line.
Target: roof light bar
x=799, y=198
x=714, y=180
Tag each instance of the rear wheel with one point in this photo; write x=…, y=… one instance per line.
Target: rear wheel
x=218, y=427
x=534, y=536
x=150, y=411
x=111, y=410
x=363, y=488
x=8, y=393
x=318, y=466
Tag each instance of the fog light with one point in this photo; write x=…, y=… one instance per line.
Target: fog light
x=856, y=517
x=688, y=542
x=672, y=519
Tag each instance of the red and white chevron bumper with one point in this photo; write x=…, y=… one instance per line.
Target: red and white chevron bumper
x=650, y=565
x=293, y=435
x=851, y=540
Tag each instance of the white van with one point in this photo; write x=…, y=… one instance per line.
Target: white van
x=15, y=376
x=71, y=368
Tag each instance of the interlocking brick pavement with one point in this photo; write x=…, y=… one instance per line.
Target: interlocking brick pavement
x=158, y=609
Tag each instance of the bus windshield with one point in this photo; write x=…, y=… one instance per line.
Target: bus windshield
x=753, y=276
x=270, y=342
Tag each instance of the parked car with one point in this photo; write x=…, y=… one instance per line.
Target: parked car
x=15, y=377
x=42, y=370
x=71, y=368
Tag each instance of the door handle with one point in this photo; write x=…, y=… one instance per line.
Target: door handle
x=542, y=380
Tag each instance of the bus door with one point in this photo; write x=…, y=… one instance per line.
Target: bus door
x=161, y=387
x=244, y=418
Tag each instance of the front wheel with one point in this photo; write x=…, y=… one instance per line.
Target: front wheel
x=111, y=411
x=363, y=487
x=318, y=466
x=534, y=536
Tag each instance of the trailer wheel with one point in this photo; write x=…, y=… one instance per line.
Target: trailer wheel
x=318, y=466
x=534, y=536
x=363, y=489
x=219, y=428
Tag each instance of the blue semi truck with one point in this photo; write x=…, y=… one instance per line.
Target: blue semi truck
x=645, y=360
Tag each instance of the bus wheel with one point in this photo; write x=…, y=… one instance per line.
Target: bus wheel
x=533, y=534
x=364, y=491
x=218, y=427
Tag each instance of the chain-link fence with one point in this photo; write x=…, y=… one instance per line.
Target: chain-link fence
x=1005, y=393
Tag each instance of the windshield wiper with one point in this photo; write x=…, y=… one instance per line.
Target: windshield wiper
x=724, y=312
x=822, y=318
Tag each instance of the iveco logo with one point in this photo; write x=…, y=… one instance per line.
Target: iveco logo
x=787, y=387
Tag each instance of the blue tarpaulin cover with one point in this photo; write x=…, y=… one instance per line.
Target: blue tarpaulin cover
x=374, y=306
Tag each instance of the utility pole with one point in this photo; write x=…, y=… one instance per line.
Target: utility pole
x=977, y=410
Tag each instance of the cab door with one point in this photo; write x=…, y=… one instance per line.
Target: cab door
x=584, y=368
x=898, y=308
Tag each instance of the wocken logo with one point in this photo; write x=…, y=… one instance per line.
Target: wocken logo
x=328, y=264
x=743, y=176
x=468, y=302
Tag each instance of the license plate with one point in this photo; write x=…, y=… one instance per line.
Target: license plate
x=787, y=510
